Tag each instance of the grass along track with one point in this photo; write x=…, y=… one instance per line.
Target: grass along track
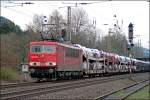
x=124, y=92
x=142, y=94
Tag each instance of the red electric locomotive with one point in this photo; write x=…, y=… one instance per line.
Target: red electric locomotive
x=53, y=60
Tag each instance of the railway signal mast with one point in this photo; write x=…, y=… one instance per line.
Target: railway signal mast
x=44, y=33
x=130, y=38
x=130, y=35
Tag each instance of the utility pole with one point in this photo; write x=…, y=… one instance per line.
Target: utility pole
x=68, y=35
x=69, y=23
x=138, y=51
x=109, y=40
x=94, y=26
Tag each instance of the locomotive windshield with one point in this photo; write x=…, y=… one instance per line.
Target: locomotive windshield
x=43, y=49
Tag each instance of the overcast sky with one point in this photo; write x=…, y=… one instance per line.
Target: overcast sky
x=136, y=12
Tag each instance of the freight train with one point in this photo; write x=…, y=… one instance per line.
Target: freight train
x=55, y=60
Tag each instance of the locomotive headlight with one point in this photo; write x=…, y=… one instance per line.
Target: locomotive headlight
x=34, y=63
x=54, y=63
x=31, y=63
x=50, y=63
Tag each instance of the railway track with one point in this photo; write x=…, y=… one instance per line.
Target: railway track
x=15, y=85
x=43, y=89
x=123, y=93
x=24, y=84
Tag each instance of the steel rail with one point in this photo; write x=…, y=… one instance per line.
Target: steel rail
x=132, y=92
x=16, y=85
x=111, y=95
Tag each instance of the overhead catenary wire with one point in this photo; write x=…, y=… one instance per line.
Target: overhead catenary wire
x=18, y=4
x=19, y=12
x=11, y=4
x=84, y=3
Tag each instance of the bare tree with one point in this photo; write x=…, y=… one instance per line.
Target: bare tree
x=36, y=25
x=83, y=31
x=116, y=43
x=79, y=20
x=57, y=23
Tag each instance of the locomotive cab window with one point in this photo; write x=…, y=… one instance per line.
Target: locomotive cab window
x=43, y=49
x=36, y=49
x=49, y=49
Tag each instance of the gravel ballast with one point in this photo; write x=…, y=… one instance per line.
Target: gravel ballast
x=92, y=91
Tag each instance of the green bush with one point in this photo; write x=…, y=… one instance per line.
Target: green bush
x=8, y=74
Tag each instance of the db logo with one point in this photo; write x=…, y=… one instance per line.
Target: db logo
x=42, y=55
